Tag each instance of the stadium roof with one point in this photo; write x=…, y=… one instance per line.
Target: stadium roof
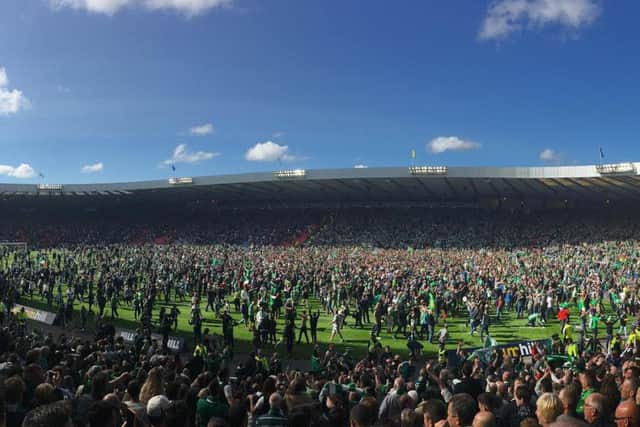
x=421, y=183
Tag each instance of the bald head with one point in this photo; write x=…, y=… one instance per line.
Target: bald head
x=275, y=401
x=627, y=414
x=484, y=419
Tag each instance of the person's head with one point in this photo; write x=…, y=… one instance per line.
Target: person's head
x=533, y=422
x=502, y=389
x=522, y=395
x=104, y=413
x=217, y=422
x=407, y=418
x=99, y=385
x=275, y=401
x=434, y=411
x=569, y=397
x=628, y=388
x=153, y=385
x=484, y=419
x=133, y=390
x=627, y=414
x=488, y=402
x=594, y=407
x=56, y=414
x=238, y=415
x=44, y=394
x=360, y=416
x=548, y=408
x=14, y=390
x=467, y=369
x=462, y=409
x=587, y=379
x=157, y=408
x=176, y=414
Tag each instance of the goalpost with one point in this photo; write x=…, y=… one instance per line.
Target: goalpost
x=17, y=246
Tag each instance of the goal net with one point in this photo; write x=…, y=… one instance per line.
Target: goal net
x=17, y=246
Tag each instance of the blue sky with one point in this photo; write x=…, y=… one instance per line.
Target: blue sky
x=125, y=88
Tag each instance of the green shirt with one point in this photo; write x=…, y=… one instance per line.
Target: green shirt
x=208, y=408
x=583, y=397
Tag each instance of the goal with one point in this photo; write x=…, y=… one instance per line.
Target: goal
x=17, y=246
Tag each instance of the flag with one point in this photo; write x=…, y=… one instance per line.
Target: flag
x=413, y=154
x=601, y=153
x=489, y=342
x=173, y=168
x=41, y=175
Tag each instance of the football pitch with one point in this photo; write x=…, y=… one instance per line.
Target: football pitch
x=507, y=330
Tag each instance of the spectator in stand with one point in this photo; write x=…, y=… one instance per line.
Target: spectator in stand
x=461, y=411
x=275, y=417
x=595, y=411
x=484, y=419
x=569, y=397
x=548, y=409
x=56, y=414
x=627, y=414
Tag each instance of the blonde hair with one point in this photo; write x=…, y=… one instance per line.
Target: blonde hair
x=549, y=408
x=152, y=386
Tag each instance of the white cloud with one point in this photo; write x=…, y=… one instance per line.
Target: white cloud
x=94, y=168
x=11, y=101
x=201, y=130
x=188, y=7
x=110, y=7
x=507, y=16
x=549, y=155
x=23, y=171
x=181, y=154
x=268, y=151
x=360, y=166
x=450, y=143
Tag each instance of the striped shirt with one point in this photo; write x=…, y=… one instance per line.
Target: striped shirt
x=273, y=418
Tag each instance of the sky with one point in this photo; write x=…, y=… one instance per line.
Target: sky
x=123, y=90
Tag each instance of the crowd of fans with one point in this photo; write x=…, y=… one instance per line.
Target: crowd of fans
x=405, y=271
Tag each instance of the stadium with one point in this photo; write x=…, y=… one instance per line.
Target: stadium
x=248, y=213
x=544, y=187
x=341, y=210
x=316, y=269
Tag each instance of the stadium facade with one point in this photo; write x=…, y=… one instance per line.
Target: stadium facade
x=543, y=187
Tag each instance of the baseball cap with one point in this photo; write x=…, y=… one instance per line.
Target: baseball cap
x=157, y=406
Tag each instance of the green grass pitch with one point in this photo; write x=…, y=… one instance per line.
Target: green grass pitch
x=509, y=329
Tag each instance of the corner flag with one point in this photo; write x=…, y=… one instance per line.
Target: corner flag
x=601, y=153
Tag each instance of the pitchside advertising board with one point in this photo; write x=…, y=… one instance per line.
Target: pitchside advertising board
x=519, y=348
x=36, y=315
x=129, y=337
